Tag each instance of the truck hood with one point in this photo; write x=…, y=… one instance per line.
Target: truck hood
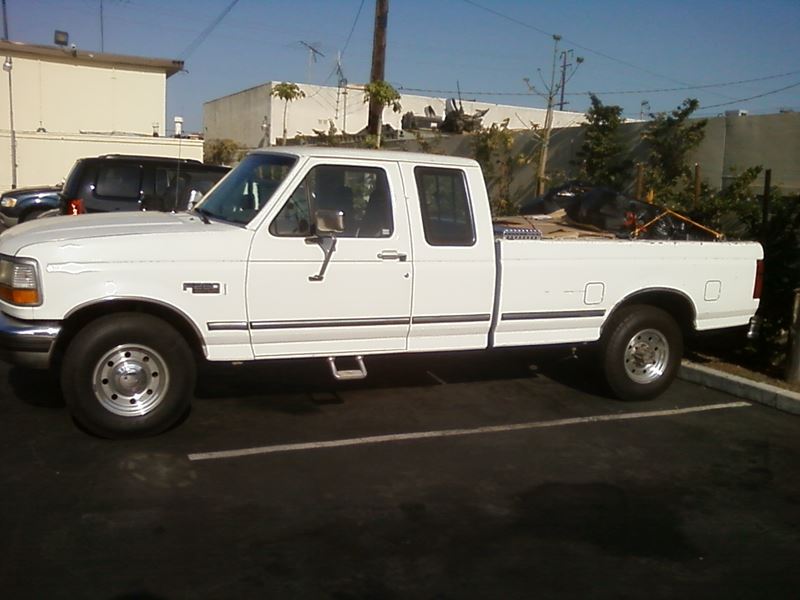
x=125, y=230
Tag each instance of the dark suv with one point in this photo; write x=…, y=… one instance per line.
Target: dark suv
x=25, y=204
x=120, y=182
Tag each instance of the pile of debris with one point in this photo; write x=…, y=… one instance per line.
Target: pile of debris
x=578, y=210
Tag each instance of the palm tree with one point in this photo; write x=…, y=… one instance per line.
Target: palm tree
x=287, y=92
x=385, y=96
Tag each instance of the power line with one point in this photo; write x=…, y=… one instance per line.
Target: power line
x=576, y=44
x=353, y=28
x=206, y=32
x=770, y=93
x=609, y=93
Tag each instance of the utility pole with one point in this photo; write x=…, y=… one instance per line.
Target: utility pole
x=378, y=72
x=564, y=78
x=644, y=109
x=552, y=91
x=7, y=66
x=102, y=27
x=548, y=121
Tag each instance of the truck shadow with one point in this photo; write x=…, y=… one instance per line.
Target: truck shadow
x=37, y=388
x=313, y=378
x=281, y=380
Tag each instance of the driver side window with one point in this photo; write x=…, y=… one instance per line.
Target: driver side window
x=361, y=193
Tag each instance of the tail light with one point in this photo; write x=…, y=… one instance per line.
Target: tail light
x=75, y=207
x=759, y=284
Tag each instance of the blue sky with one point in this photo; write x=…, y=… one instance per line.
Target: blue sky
x=628, y=46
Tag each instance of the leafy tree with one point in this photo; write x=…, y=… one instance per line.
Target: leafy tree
x=492, y=149
x=602, y=156
x=288, y=92
x=736, y=211
x=671, y=136
x=221, y=152
x=386, y=97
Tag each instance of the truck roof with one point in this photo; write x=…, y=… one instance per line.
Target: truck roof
x=368, y=154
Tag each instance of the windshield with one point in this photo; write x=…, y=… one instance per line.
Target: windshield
x=247, y=189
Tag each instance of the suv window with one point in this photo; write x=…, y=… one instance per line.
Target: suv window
x=445, y=206
x=119, y=181
x=361, y=193
x=173, y=187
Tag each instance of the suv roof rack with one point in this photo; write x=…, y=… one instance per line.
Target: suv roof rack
x=142, y=157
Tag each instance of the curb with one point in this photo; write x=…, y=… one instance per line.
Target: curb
x=763, y=393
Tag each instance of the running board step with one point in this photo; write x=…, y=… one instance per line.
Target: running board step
x=348, y=374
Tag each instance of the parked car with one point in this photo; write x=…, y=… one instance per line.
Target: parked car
x=117, y=182
x=24, y=204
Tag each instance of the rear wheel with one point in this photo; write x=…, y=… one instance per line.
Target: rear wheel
x=128, y=375
x=642, y=348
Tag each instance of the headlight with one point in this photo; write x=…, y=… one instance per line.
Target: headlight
x=19, y=282
x=8, y=202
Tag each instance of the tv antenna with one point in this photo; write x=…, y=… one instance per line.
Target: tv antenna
x=313, y=54
x=341, y=91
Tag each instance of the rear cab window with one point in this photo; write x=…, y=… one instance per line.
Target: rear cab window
x=445, y=206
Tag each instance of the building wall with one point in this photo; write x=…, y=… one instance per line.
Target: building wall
x=240, y=116
x=731, y=145
x=46, y=158
x=70, y=98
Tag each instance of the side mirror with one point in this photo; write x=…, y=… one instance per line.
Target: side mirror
x=327, y=224
x=194, y=199
x=329, y=221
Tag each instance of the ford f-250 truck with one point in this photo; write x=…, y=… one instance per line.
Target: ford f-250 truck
x=341, y=254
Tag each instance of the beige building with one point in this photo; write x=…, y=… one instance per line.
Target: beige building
x=254, y=119
x=67, y=103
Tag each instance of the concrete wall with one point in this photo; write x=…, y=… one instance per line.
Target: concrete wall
x=45, y=158
x=735, y=143
x=71, y=98
x=731, y=144
x=240, y=116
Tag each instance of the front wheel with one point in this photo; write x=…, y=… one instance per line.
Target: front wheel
x=642, y=348
x=127, y=375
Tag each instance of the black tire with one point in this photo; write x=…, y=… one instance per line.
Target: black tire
x=641, y=349
x=128, y=375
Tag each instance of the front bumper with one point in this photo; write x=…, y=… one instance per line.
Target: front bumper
x=27, y=343
x=8, y=220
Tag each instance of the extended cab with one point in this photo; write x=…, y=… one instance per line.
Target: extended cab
x=331, y=253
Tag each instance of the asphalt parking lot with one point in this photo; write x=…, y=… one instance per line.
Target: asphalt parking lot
x=470, y=476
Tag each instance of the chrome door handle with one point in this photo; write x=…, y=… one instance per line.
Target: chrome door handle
x=392, y=255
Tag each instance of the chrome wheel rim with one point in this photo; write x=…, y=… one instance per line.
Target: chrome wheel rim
x=131, y=380
x=647, y=356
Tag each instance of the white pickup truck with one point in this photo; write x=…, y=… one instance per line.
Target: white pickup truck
x=340, y=254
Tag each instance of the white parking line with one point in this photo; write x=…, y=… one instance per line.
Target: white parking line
x=399, y=437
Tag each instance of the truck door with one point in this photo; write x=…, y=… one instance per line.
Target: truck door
x=454, y=265
x=362, y=302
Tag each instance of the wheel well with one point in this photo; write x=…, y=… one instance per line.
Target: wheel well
x=31, y=210
x=80, y=318
x=678, y=306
